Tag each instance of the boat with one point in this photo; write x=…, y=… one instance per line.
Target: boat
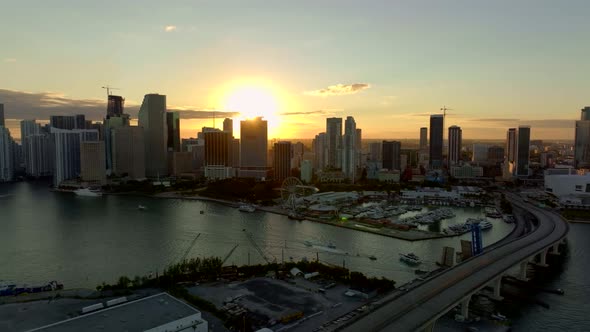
x=88, y=192
x=247, y=208
x=294, y=216
x=485, y=225
x=410, y=258
x=307, y=243
x=12, y=289
x=420, y=272
x=202, y=212
x=498, y=316
x=373, y=258
x=141, y=207
x=509, y=219
x=331, y=245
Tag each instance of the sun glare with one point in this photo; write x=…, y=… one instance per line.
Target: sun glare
x=251, y=101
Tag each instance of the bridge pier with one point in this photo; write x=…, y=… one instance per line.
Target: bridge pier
x=543, y=258
x=522, y=273
x=465, y=307
x=497, y=286
x=555, y=250
x=429, y=327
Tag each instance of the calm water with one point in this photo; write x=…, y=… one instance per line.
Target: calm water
x=83, y=241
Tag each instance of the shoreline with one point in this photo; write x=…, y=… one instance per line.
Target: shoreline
x=409, y=235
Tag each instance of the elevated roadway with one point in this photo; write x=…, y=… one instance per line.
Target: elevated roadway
x=420, y=307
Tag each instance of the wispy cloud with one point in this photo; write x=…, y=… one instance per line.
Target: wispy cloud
x=388, y=100
x=170, y=28
x=9, y=60
x=316, y=112
x=544, y=123
x=339, y=90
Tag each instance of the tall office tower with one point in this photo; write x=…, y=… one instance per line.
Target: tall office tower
x=358, y=145
x=115, y=106
x=455, y=141
x=480, y=152
x=334, y=142
x=6, y=155
x=129, y=151
x=218, y=146
x=2, y=122
x=391, y=154
x=38, y=154
x=375, y=151
x=349, y=156
x=423, y=138
x=319, y=149
x=110, y=124
x=511, y=145
x=523, y=150
x=92, y=160
x=582, y=142
x=253, y=148
x=152, y=117
x=228, y=125
x=436, y=141
x=173, y=124
x=28, y=128
x=282, y=160
x=62, y=122
x=66, y=145
x=80, y=121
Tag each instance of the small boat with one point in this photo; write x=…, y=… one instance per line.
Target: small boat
x=294, y=216
x=202, y=212
x=373, y=258
x=419, y=272
x=247, y=208
x=141, y=207
x=331, y=245
x=88, y=192
x=307, y=243
x=498, y=316
x=410, y=258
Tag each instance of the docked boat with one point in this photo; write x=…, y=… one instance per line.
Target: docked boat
x=485, y=225
x=331, y=245
x=410, y=258
x=141, y=207
x=492, y=212
x=88, y=192
x=12, y=289
x=247, y=208
x=294, y=216
x=509, y=219
x=307, y=243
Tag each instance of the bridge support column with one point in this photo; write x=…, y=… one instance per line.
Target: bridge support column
x=522, y=274
x=465, y=307
x=543, y=258
x=429, y=327
x=555, y=250
x=497, y=286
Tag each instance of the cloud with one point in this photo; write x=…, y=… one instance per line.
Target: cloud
x=339, y=90
x=544, y=123
x=170, y=28
x=203, y=114
x=9, y=60
x=29, y=105
x=316, y=112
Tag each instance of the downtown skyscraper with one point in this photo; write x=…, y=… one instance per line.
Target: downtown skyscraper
x=334, y=143
x=436, y=141
x=523, y=150
x=282, y=160
x=254, y=148
x=582, y=140
x=391, y=155
x=152, y=118
x=350, y=157
x=423, y=138
x=455, y=142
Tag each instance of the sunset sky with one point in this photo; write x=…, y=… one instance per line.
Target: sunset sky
x=387, y=63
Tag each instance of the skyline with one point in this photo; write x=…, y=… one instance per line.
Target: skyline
x=496, y=65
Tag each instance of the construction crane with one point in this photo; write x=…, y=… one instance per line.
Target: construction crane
x=229, y=254
x=255, y=245
x=190, y=247
x=109, y=88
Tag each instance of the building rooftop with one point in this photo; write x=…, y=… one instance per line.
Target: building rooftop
x=138, y=315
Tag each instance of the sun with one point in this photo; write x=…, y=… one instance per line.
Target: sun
x=252, y=101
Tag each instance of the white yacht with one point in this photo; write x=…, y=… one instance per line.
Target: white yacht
x=247, y=208
x=88, y=192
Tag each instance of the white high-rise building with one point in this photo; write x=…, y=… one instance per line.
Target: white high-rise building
x=350, y=156
x=319, y=149
x=152, y=117
x=67, y=152
x=306, y=171
x=38, y=154
x=334, y=142
x=455, y=141
x=6, y=155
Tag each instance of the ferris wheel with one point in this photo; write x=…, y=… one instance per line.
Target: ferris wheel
x=293, y=189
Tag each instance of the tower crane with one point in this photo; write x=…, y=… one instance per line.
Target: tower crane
x=109, y=88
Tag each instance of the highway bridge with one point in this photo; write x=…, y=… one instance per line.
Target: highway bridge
x=420, y=307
